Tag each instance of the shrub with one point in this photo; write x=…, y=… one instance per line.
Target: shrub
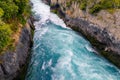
x=117, y=3
x=106, y=4
x=9, y=8
x=5, y=34
x=95, y=8
x=83, y=6
x=1, y=12
x=21, y=4
x=68, y=4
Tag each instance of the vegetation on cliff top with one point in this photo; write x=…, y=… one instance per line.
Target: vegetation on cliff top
x=12, y=14
x=104, y=4
x=95, y=6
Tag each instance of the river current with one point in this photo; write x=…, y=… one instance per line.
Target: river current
x=59, y=53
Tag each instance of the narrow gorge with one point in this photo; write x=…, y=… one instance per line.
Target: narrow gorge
x=59, y=39
x=59, y=53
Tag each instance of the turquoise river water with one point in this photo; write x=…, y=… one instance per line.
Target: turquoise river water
x=59, y=53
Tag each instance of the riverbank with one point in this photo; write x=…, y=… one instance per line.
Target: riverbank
x=12, y=62
x=16, y=32
x=105, y=41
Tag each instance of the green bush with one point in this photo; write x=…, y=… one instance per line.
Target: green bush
x=1, y=12
x=68, y=4
x=95, y=8
x=21, y=4
x=5, y=34
x=13, y=8
x=83, y=6
x=9, y=8
x=107, y=4
x=117, y=3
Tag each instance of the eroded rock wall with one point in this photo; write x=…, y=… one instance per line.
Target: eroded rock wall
x=11, y=62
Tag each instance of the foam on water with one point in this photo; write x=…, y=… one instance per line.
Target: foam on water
x=43, y=15
x=56, y=20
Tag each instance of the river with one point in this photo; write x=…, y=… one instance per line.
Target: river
x=59, y=53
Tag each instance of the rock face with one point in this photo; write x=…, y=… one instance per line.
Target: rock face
x=47, y=1
x=98, y=31
x=11, y=62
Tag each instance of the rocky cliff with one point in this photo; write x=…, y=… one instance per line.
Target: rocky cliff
x=11, y=62
x=101, y=29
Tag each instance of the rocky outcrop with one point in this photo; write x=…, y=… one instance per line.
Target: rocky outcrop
x=100, y=35
x=11, y=62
